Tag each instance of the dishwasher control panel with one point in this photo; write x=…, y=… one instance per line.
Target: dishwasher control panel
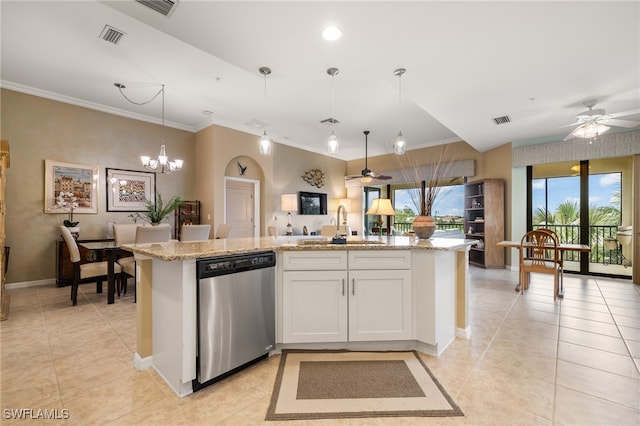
x=222, y=265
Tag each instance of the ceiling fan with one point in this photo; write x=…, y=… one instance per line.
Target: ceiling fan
x=367, y=175
x=594, y=122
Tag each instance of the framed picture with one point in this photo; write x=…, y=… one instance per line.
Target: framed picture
x=127, y=190
x=312, y=203
x=77, y=182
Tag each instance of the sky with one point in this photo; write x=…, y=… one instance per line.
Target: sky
x=450, y=200
x=601, y=188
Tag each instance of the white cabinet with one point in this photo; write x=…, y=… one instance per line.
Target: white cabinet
x=326, y=298
x=380, y=305
x=314, y=306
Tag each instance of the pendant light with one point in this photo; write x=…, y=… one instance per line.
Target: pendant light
x=162, y=164
x=265, y=141
x=332, y=143
x=399, y=145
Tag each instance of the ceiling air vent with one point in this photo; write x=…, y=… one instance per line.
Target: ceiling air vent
x=112, y=35
x=164, y=7
x=502, y=120
x=330, y=120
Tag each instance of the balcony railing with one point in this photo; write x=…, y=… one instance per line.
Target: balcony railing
x=605, y=247
x=408, y=226
x=601, y=240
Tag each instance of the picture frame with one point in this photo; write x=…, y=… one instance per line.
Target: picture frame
x=312, y=203
x=79, y=179
x=127, y=190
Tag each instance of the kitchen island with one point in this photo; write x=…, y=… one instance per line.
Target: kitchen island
x=377, y=293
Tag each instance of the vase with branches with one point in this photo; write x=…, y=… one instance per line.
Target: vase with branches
x=156, y=210
x=423, y=184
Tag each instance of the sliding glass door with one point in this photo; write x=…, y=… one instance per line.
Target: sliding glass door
x=585, y=203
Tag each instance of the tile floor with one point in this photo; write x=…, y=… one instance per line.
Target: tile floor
x=530, y=361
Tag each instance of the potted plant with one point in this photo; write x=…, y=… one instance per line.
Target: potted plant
x=66, y=202
x=156, y=210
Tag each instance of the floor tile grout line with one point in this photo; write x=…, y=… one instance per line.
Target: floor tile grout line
x=615, y=322
x=53, y=363
x=555, y=369
x=486, y=349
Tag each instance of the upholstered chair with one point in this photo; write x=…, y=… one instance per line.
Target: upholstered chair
x=223, y=231
x=195, y=232
x=125, y=233
x=87, y=272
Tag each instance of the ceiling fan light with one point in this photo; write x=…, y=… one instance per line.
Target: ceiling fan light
x=265, y=144
x=590, y=130
x=399, y=145
x=332, y=143
x=366, y=179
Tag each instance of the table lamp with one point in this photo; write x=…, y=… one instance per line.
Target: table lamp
x=381, y=207
x=289, y=203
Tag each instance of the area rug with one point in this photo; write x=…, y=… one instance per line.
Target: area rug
x=342, y=384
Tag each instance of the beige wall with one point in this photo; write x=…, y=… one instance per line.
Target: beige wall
x=218, y=149
x=40, y=129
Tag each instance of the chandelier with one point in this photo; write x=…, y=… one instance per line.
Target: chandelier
x=162, y=164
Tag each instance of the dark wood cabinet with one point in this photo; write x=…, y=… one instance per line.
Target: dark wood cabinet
x=64, y=271
x=484, y=221
x=187, y=213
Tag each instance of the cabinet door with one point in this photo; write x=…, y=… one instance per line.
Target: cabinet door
x=380, y=305
x=314, y=306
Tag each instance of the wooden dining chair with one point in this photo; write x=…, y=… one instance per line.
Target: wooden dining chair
x=223, y=231
x=86, y=272
x=539, y=254
x=195, y=232
x=560, y=260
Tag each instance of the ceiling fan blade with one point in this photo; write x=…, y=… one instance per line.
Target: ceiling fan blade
x=621, y=123
x=625, y=113
x=382, y=177
x=570, y=136
x=577, y=123
x=352, y=177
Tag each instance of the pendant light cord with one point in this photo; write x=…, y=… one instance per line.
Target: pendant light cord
x=122, y=86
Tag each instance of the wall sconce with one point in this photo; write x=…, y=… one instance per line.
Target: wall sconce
x=289, y=203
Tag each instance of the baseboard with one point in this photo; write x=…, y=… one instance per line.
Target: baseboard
x=26, y=284
x=464, y=333
x=142, y=364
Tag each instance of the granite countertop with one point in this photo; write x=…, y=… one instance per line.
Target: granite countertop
x=175, y=250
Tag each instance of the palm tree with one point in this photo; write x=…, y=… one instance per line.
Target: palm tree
x=542, y=217
x=567, y=213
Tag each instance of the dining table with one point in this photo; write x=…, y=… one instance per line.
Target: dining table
x=112, y=251
x=561, y=247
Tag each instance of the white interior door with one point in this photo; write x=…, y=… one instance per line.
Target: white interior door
x=240, y=207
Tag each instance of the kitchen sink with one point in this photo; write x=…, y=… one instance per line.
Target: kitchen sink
x=349, y=241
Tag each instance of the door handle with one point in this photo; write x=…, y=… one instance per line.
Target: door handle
x=343, y=286
x=353, y=286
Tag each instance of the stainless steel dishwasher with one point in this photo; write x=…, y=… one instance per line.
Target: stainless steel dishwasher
x=236, y=314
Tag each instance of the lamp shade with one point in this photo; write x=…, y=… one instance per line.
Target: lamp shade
x=289, y=202
x=346, y=203
x=382, y=207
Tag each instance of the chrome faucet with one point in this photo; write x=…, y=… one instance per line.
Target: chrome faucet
x=344, y=218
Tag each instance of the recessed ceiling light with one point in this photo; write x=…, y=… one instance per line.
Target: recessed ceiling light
x=331, y=33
